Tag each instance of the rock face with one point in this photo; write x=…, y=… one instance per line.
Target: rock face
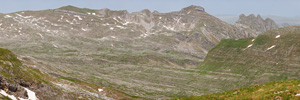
x=256, y=23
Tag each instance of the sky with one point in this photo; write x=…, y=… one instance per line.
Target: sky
x=285, y=8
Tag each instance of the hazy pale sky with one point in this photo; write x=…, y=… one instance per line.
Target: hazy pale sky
x=288, y=8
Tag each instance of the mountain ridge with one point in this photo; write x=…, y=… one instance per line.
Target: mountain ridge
x=256, y=23
x=145, y=54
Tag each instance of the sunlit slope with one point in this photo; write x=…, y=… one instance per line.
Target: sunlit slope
x=272, y=56
x=281, y=90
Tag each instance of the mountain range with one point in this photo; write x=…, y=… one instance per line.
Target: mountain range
x=281, y=21
x=105, y=54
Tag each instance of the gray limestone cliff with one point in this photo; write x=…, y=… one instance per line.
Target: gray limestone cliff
x=256, y=23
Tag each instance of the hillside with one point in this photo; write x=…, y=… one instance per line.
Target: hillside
x=21, y=80
x=272, y=56
x=146, y=54
x=281, y=90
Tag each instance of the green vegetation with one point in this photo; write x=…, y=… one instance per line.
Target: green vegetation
x=262, y=39
x=281, y=90
x=232, y=43
x=10, y=63
x=228, y=44
x=5, y=98
x=256, y=64
x=13, y=70
x=70, y=79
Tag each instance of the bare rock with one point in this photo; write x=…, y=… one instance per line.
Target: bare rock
x=256, y=23
x=13, y=88
x=25, y=84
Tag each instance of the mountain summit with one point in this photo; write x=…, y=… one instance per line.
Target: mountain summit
x=193, y=8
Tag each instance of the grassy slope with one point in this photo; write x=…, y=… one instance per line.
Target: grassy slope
x=13, y=70
x=283, y=90
x=12, y=67
x=257, y=65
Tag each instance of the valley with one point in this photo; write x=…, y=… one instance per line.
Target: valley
x=106, y=54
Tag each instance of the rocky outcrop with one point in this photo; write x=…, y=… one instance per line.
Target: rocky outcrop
x=256, y=23
x=12, y=88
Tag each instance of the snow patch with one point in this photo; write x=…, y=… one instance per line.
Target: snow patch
x=253, y=40
x=93, y=13
x=100, y=90
x=249, y=45
x=61, y=17
x=78, y=17
x=105, y=24
x=116, y=19
x=69, y=22
x=126, y=23
x=277, y=36
x=41, y=36
x=144, y=35
x=271, y=47
x=19, y=15
x=26, y=17
x=169, y=28
x=31, y=95
x=55, y=45
x=111, y=28
x=9, y=96
x=88, y=13
x=104, y=38
x=297, y=95
x=55, y=24
x=177, y=19
x=121, y=27
x=7, y=16
x=83, y=29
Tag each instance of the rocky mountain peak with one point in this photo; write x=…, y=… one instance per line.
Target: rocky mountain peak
x=256, y=23
x=146, y=12
x=67, y=7
x=193, y=8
